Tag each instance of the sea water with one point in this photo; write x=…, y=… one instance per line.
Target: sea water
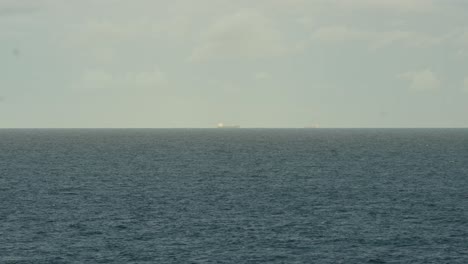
x=234, y=196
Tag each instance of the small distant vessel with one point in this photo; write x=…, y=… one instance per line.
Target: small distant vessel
x=221, y=125
x=312, y=126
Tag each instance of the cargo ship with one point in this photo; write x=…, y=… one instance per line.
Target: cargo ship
x=221, y=125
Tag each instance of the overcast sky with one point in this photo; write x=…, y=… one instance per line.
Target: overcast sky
x=255, y=63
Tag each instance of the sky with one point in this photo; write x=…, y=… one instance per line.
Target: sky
x=262, y=63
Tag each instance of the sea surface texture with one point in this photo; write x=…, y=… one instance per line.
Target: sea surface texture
x=234, y=196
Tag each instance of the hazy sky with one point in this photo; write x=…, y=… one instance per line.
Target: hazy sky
x=256, y=63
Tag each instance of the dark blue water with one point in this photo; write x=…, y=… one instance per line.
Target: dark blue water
x=234, y=196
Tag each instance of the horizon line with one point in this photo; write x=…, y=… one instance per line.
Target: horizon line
x=217, y=128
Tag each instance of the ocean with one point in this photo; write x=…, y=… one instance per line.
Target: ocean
x=234, y=196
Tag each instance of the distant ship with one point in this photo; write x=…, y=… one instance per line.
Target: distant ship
x=312, y=126
x=221, y=125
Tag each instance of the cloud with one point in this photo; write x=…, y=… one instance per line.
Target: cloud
x=96, y=79
x=399, y=5
x=245, y=34
x=405, y=38
x=378, y=39
x=10, y=11
x=459, y=39
x=340, y=34
x=312, y=6
x=465, y=84
x=96, y=31
x=100, y=79
x=424, y=80
x=104, y=41
x=374, y=39
x=155, y=78
x=262, y=76
x=11, y=7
